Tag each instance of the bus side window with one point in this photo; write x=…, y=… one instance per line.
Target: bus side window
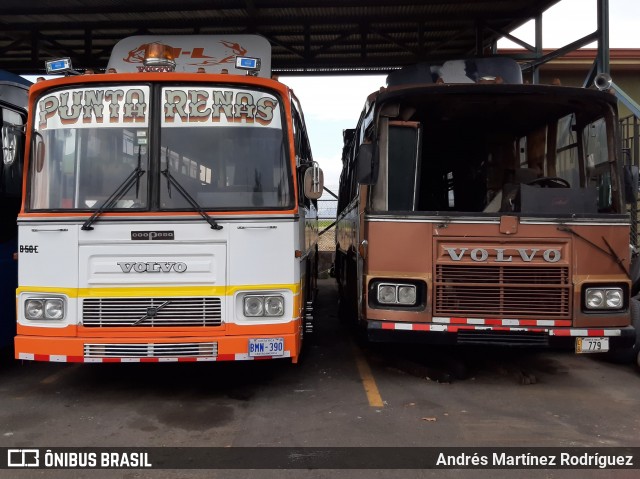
x=303, y=155
x=403, y=165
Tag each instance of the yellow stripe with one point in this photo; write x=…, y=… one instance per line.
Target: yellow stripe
x=368, y=381
x=159, y=291
x=53, y=378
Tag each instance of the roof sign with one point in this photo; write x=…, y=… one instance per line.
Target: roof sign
x=193, y=53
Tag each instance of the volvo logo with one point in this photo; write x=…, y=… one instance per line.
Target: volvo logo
x=151, y=313
x=159, y=267
x=525, y=254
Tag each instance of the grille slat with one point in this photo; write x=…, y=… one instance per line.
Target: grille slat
x=149, y=350
x=499, y=338
x=114, y=312
x=502, y=291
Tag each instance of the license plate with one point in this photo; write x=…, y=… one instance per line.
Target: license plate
x=592, y=345
x=266, y=347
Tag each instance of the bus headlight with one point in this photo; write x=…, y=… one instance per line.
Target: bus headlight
x=44, y=308
x=407, y=294
x=267, y=305
x=273, y=305
x=391, y=293
x=34, y=308
x=253, y=306
x=54, y=309
x=387, y=293
x=604, y=298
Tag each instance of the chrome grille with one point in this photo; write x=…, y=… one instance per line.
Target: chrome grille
x=502, y=291
x=151, y=350
x=113, y=312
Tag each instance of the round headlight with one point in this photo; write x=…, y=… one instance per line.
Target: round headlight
x=53, y=309
x=387, y=293
x=274, y=305
x=253, y=306
x=595, y=298
x=614, y=298
x=34, y=309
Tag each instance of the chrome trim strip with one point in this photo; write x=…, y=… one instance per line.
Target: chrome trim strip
x=158, y=219
x=599, y=221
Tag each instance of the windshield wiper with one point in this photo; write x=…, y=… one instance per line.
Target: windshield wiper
x=172, y=181
x=610, y=252
x=123, y=189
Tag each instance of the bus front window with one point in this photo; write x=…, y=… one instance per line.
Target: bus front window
x=86, y=142
x=226, y=149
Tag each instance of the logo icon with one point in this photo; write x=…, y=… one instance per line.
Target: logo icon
x=23, y=458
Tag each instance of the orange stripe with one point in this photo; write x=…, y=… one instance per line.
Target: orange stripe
x=72, y=214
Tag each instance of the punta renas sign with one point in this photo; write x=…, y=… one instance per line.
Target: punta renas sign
x=113, y=106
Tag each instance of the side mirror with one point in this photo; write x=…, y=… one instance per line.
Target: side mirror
x=9, y=145
x=367, y=164
x=313, y=182
x=630, y=183
x=11, y=166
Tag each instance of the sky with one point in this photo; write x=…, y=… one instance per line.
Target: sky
x=333, y=104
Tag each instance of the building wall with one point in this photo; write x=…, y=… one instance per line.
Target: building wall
x=572, y=70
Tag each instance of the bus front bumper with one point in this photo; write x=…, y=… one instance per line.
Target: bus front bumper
x=563, y=337
x=154, y=350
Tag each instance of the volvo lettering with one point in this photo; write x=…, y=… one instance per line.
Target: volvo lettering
x=481, y=254
x=173, y=200
x=153, y=267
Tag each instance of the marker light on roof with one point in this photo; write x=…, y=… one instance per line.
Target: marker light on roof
x=159, y=55
x=252, y=65
x=59, y=65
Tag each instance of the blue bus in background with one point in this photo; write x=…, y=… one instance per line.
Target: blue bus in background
x=14, y=92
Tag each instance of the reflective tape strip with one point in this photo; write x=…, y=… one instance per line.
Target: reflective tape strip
x=558, y=323
x=586, y=332
x=454, y=328
x=60, y=358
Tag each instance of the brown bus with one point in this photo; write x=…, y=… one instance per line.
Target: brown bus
x=477, y=209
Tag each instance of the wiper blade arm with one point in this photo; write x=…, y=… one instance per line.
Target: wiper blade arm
x=190, y=199
x=123, y=189
x=610, y=252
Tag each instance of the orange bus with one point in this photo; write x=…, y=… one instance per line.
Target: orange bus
x=475, y=209
x=170, y=208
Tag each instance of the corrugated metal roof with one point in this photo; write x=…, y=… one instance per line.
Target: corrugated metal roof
x=306, y=35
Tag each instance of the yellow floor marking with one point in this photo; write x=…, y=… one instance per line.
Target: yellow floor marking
x=52, y=378
x=368, y=381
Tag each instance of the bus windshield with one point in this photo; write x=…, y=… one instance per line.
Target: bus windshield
x=225, y=146
x=484, y=151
